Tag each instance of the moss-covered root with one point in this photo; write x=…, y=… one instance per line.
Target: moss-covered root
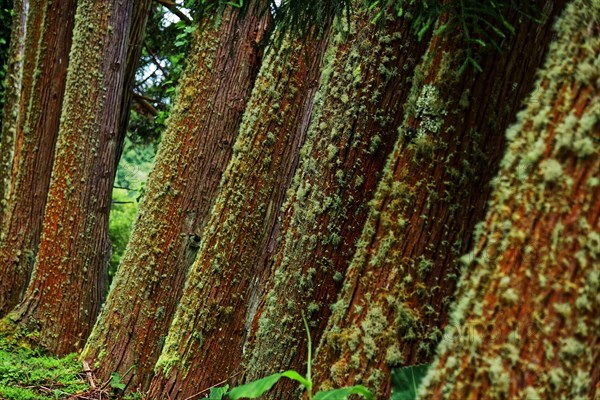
x=527, y=319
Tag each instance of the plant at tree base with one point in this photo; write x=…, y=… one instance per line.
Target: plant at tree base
x=257, y=388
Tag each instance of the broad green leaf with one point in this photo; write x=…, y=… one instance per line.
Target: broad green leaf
x=115, y=381
x=218, y=393
x=343, y=393
x=405, y=381
x=297, y=377
x=254, y=389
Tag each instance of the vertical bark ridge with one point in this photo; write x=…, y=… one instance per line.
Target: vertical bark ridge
x=401, y=280
x=207, y=336
x=527, y=316
x=36, y=134
x=69, y=278
x=180, y=192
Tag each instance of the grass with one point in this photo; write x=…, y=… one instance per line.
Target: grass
x=26, y=373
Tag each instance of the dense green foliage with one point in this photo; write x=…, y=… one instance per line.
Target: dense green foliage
x=164, y=52
x=134, y=167
x=481, y=24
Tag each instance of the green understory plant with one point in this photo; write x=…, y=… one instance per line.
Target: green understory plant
x=405, y=381
x=257, y=388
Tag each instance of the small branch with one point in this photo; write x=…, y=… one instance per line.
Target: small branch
x=138, y=84
x=88, y=374
x=213, y=386
x=148, y=99
x=157, y=62
x=125, y=188
x=143, y=101
x=173, y=8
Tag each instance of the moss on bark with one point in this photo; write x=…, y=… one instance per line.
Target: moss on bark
x=527, y=315
x=180, y=193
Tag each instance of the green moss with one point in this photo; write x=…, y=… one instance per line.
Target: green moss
x=551, y=170
x=393, y=356
x=30, y=374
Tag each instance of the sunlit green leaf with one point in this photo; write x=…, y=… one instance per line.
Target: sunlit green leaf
x=297, y=377
x=405, y=381
x=343, y=393
x=254, y=389
x=218, y=393
x=115, y=381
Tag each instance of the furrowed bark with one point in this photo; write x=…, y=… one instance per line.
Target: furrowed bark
x=365, y=81
x=206, y=340
x=10, y=111
x=180, y=192
x=397, y=290
x=527, y=316
x=68, y=284
x=47, y=58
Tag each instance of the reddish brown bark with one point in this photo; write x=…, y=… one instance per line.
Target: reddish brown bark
x=527, y=318
x=401, y=281
x=206, y=340
x=366, y=81
x=69, y=279
x=180, y=192
x=47, y=56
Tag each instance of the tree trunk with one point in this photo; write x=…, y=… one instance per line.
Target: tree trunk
x=137, y=32
x=358, y=109
x=10, y=111
x=528, y=311
x=434, y=189
x=47, y=53
x=69, y=278
x=180, y=192
x=205, y=342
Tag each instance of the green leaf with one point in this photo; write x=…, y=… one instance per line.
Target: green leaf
x=405, y=381
x=373, y=5
x=218, y=393
x=254, y=389
x=115, y=381
x=297, y=377
x=343, y=393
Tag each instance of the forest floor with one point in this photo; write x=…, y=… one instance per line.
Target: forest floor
x=29, y=374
